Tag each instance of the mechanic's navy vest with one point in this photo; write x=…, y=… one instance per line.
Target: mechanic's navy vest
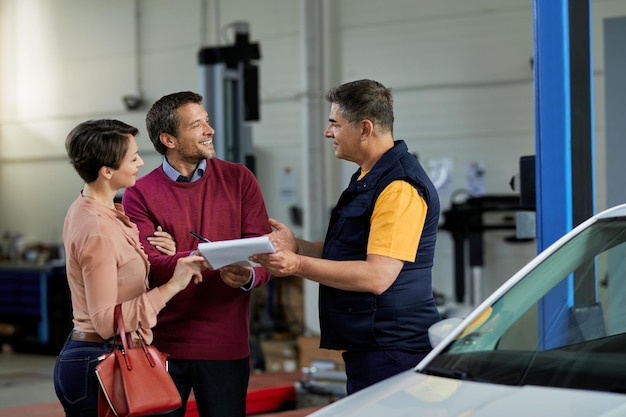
x=399, y=318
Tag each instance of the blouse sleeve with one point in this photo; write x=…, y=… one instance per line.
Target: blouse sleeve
x=112, y=272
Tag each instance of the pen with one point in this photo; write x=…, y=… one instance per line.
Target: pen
x=200, y=237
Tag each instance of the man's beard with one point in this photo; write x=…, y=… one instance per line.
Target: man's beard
x=198, y=156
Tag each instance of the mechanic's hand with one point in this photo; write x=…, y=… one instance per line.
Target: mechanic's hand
x=282, y=263
x=282, y=237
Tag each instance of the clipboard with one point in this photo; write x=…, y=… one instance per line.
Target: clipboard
x=235, y=251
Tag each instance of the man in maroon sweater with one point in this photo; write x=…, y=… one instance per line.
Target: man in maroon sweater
x=205, y=328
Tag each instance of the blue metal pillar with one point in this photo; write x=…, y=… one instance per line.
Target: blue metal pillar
x=564, y=167
x=552, y=121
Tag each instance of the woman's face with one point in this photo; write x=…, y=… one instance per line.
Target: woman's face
x=126, y=175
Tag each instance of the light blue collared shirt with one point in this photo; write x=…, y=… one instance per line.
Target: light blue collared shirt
x=174, y=175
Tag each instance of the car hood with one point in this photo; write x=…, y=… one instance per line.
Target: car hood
x=415, y=394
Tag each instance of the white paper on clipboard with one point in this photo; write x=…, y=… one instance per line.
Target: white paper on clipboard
x=236, y=251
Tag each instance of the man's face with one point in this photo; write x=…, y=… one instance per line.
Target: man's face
x=195, y=134
x=346, y=136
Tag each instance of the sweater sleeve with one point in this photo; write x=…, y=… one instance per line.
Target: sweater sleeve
x=137, y=209
x=255, y=218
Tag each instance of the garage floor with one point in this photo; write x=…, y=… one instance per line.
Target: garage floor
x=26, y=388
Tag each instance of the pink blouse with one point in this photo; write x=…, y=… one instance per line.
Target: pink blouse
x=107, y=265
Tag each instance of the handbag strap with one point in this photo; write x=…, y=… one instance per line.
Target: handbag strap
x=118, y=326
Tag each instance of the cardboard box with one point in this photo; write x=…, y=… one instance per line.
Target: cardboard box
x=280, y=355
x=310, y=354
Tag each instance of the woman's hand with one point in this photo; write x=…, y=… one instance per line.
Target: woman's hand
x=163, y=241
x=188, y=268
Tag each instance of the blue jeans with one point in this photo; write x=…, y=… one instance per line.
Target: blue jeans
x=75, y=381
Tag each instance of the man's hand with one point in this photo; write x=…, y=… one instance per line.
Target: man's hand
x=163, y=241
x=235, y=275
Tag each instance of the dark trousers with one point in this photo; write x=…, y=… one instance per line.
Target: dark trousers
x=75, y=381
x=219, y=387
x=365, y=368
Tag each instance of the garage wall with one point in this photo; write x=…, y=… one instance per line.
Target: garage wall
x=460, y=72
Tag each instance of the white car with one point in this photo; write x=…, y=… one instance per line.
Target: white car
x=551, y=341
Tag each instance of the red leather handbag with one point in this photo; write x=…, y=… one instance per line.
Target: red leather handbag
x=134, y=380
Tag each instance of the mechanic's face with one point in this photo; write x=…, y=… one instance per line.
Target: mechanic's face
x=346, y=136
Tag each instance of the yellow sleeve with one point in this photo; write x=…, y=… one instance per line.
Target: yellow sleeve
x=397, y=222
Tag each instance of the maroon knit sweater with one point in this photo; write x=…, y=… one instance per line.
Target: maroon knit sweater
x=210, y=320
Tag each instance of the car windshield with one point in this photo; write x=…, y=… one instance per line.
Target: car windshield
x=562, y=325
